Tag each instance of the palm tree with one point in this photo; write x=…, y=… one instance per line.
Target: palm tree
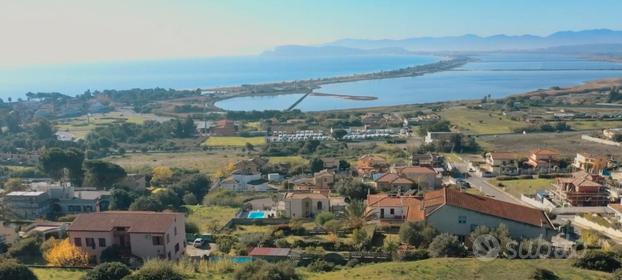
x=357, y=214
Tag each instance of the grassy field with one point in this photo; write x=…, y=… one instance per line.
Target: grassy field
x=234, y=141
x=79, y=127
x=459, y=269
x=589, y=125
x=293, y=160
x=210, y=217
x=206, y=162
x=479, y=121
x=524, y=186
x=58, y=274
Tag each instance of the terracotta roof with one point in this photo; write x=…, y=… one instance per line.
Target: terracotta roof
x=135, y=221
x=417, y=170
x=388, y=178
x=489, y=206
x=411, y=203
x=270, y=252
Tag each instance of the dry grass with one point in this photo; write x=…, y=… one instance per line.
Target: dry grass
x=479, y=121
x=206, y=162
x=234, y=141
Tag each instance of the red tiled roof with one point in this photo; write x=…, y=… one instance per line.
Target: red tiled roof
x=135, y=221
x=269, y=252
x=411, y=203
x=388, y=178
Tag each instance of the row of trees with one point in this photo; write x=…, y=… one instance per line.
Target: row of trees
x=59, y=163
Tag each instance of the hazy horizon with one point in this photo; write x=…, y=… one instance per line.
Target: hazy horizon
x=69, y=31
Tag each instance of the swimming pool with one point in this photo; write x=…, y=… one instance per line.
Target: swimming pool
x=257, y=215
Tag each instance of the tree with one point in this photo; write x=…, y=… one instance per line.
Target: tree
x=357, y=214
x=344, y=165
x=418, y=234
x=226, y=242
x=316, y=165
x=13, y=185
x=323, y=217
x=359, y=238
x=55, y=161
x=353, y=190
x=66, y=254
x=145, y=203
x=155, y=269
x=162, y=174
x=108, y=271
x=339, y=133
x=249, y=147
x=26, y=250
x=333, y=226
x=11, y=269
x=102, y=174
x=598, y=260
x=121, y=199
x=446, y=245
x=43, y=129
x=197, y=184
x=190, y=199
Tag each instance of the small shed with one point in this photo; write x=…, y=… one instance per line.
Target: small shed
x=270, y=254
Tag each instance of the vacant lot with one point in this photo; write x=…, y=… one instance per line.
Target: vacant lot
x=524, y=186
x=479, y=121
x=568, y=143
x=293, y=160
x=460, y=269
x=206, y=162
x=232, y=141
x=210, y=218
x=592, y=125
x=79, y=127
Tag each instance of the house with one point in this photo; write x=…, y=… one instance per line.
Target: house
x=270, y=254
x=459, y=213
x=224, y=128
x=614, y=134
x=138, y=233
x=582, y=189
x=427, y=159
x=502, y=163
x=324, y=179
x=393, y=181
x=424, y=177
x=395, y=209
x=590, y=163
x=85, y=201
x=244, y=182
x=367, y=165
x=544, y=160
x=441, y=136
x=27, y=205
x=331, y=163
x=304, y=205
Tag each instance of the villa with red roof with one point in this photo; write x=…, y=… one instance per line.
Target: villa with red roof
x=458, y=213
x=423, y=177
x=582, y=189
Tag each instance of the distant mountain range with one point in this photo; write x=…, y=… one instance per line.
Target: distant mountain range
x=602, y=40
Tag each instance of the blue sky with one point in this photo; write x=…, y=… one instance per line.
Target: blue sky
x=69, y=31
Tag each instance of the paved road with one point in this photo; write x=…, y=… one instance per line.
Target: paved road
x=482, y=185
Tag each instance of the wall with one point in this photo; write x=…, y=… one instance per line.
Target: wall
x=107, y=235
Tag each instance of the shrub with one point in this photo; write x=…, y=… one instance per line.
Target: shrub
x=282, y=243
x=10, y=269
x=324, y=217
x=156, y=270
x=598, y=260
x=66, y=254
x=416, y=255
x=320, y=266
x=446, y=245
x=543, y=274
x=112, y=254
x=108, y=271
x=262, y=270
x=335, y=258
x=192, y=227
x=352, y=263
x=226, y=243
x=26, y=250
x=417, y=233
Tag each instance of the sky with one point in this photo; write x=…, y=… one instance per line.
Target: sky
x=85, y=31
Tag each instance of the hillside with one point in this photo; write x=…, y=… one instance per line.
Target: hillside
x=463, y=269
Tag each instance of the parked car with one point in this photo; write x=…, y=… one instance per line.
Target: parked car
x=199, y=242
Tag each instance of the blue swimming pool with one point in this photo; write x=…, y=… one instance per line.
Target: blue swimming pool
x=257, y=215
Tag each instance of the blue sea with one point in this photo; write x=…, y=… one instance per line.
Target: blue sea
x=499, y=74
x=190, y=73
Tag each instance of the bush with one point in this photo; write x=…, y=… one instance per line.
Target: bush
x=108, y=271
x=446, y=245
x=324, y=217
x=26, y=250
x=66, y=254
x=192, y=227
x=598, y=260
x=320, y=266
x=416, y=255
x=335, y=258
x=417, y=233
x=112, y=254
x=353, y=263
x=262, y=270
x=543, y=274
x=156, y=270
x=10, y=269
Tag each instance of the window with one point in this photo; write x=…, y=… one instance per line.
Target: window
x=90, y=242
x=176, y=247
x=462, y=219
x=319, y=205
x=102, y=242
x=77, y=242
x=392, y=211
x=168, y=238
x=175, y=230
x=156, y=240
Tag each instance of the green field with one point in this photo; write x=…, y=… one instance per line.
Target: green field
x=79, y=127
x=58, y=274
x=234, y=141
x=206, y=162
x=590, y=125
x=459, y=269
x=524, y=186
x=479, y=121
x=210, y=217
x=293, y=160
